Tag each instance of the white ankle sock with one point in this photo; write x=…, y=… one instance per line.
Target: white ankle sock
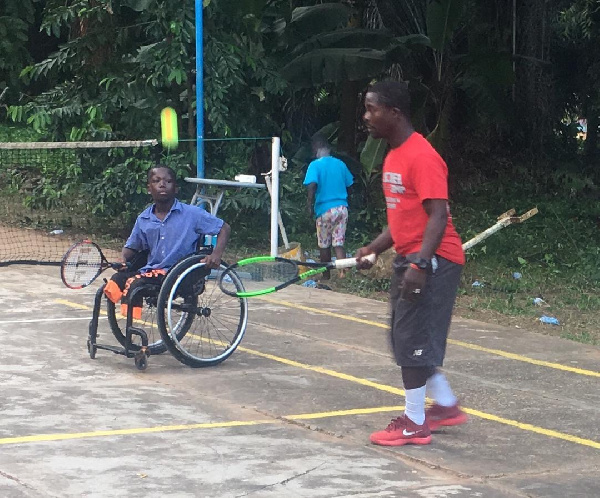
x=439, y=389
x=415, y=405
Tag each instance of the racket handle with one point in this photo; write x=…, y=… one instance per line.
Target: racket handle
x=351, y=262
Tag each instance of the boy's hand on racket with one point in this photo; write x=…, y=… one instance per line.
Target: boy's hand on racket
x=212, y=261
x=123, y=266
x=362, y=263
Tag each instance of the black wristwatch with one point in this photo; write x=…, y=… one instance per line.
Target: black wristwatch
x=422, y=263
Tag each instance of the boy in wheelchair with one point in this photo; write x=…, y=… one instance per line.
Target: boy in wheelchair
x=163, y=234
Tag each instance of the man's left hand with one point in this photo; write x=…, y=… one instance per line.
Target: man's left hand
x=413, y=284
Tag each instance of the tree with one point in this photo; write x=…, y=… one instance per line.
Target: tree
x=117, y=63
x=580, y=28
x=328, y=45
x=462, y=79
x=15, y=22
x=121, y=61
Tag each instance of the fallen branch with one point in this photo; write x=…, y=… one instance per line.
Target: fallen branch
x=504, y=220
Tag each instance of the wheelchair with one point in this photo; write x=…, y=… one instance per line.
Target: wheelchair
x=187, y=314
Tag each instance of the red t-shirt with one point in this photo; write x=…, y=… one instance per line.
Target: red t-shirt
x=413, y=173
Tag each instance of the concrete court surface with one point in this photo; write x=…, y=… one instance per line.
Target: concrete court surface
x=289, y=413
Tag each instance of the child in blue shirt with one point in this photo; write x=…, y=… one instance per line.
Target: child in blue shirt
x=166, y=231
x=328, y=179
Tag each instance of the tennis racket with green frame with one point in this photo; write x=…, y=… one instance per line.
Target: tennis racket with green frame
x=262, y=275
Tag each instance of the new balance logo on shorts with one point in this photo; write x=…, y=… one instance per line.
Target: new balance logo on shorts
x=417, y=352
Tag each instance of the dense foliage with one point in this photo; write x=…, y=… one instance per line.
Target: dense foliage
x=492, y=87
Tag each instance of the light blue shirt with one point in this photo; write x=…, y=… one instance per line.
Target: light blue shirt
x=171, y=239
x=332, y=177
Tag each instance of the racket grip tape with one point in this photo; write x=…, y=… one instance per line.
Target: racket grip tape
x=351, y=262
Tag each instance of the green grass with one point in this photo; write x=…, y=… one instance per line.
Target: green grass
x=557, y=252
x=584, y=337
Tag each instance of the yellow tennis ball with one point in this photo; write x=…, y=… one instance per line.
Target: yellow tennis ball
x=168, y=127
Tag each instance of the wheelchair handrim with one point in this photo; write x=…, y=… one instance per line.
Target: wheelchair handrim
x=172, y=331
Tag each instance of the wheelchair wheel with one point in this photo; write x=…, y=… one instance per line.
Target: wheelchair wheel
x=147, y=322
x=217, y=322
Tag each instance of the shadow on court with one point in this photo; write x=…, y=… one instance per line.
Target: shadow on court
x=289, y=414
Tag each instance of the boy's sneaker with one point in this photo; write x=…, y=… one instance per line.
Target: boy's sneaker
x=438, y=416
x=401, y=431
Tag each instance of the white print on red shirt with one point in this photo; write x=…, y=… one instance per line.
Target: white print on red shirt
x=392, y=184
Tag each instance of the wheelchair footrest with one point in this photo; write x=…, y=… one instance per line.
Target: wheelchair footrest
x=131, y=331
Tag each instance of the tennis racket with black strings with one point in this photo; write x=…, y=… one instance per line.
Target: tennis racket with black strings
x=83, y=263
x=266, y=274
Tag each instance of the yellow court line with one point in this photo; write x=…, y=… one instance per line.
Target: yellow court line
x=395, y=390
x=533, y=428
x=519, y=357
x=71, y=304
x=325, y=371
x=400, y=392
x=498, y=352
x=40, y=438
x=344, y=413
x=78, y=306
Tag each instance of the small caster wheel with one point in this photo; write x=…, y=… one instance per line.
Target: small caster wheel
x=141, y=362
x=91, y=347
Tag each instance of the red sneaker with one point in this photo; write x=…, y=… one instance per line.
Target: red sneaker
x=401, y=431
x=437, y=416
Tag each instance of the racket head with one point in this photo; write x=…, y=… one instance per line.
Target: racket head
x=258, y=276
x=81, y=264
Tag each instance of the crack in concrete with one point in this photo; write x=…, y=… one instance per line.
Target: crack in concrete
x=17, y=480
x=541, y=472
x=301, y=474
x=283, y=482
x=300, y=424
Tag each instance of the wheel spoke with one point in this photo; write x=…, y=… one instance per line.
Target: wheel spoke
x=206, y=328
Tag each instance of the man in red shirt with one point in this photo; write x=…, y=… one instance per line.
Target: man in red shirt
x=426, y=271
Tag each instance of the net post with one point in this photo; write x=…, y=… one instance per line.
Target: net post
x=199, y=90
x=275, y=155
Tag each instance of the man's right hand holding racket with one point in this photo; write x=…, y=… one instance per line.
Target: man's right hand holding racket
x=382, y=243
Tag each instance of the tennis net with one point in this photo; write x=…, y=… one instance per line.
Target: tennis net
x=43, y=207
